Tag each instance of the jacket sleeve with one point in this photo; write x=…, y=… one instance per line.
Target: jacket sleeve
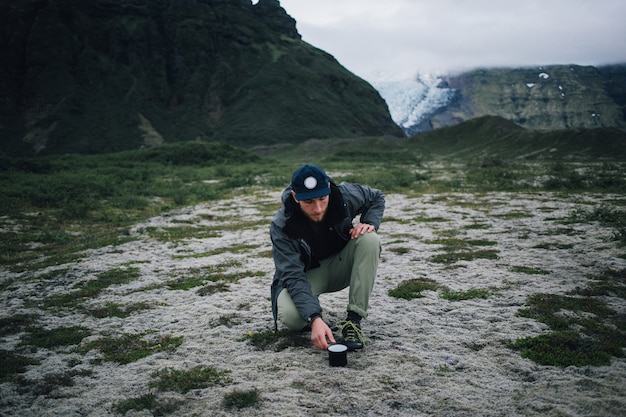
x=366, y=201
x=290, y=273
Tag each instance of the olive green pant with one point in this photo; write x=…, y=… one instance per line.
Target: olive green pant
x=355, y=267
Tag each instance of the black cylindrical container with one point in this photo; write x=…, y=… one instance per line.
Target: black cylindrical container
x=338, y=355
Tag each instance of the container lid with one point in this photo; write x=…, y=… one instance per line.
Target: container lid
x=337, y=348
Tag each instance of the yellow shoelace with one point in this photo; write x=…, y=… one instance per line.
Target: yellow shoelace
x=351, y=329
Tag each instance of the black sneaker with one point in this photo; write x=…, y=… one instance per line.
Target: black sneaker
x=352, y=335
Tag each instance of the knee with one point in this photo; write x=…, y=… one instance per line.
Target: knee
x=291, y=320
x=288, y=313
x=370, y=241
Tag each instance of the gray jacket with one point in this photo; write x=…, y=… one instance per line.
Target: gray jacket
x=292, y=253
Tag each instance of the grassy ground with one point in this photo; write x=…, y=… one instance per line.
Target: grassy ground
x=53, y=209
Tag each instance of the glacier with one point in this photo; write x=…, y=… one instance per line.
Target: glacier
x=413, y=100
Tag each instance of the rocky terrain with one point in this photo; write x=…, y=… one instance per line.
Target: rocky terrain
x=545, y=98
x=425, y=356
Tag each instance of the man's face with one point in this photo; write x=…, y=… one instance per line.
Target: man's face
x=314, y=209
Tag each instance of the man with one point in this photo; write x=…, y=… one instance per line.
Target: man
x=317, y=249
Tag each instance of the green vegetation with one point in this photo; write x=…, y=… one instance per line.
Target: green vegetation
x=16, y=323
x=498, y=144
x=241, y=399
x=228, y=320
x=399, y=250
x=170, y=234
x=609, y=216
x=67, y=204
x=412, y=288
x=215, y=276
x=145, y=402
x=562, y=348
x=12, y=363
x=57, y=337
x=460, y=250
x=117, y=310
x=529, y=270
x=430, y=219
x=58, y=208
x=609, y=283
x=92, y=288
x=213, y=288
x=553, y=246
x=513, y=215
x=455, y=244
x=131, y=347
x=198, y=377
x=84, y=202
x=46, y=385
x=239, y=74
x=248, y=79
x=276, y=340
x=585, y=330
x=186, y=283
x=545, y=308
x=181, y=381
x=465, y=295
x=453, y=257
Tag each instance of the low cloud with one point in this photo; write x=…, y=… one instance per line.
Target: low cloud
x=404, y=36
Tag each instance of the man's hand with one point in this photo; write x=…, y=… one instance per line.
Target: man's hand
x=361, y=229
x=319, y=334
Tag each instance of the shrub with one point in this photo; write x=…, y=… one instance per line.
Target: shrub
x=589, y=334
x=465, y=295
x=241, y=399
x=51, y=338
x=413, y=288
x=562, y=348
x=11, y=364
x=195, y=378
x=131, y=347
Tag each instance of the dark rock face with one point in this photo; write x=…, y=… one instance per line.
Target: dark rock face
x=549, y=98
x=107, y=75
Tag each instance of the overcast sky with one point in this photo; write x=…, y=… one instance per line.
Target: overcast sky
x=400, y=38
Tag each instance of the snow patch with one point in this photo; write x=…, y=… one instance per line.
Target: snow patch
x=413, y=100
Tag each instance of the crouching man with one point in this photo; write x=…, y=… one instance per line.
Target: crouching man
x=317, y=249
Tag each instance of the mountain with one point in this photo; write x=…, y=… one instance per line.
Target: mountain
x=547, y=98
x=107, y=75
x=493, y=138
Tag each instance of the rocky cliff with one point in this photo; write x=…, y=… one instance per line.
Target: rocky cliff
x=106, y=75
x=548, y=98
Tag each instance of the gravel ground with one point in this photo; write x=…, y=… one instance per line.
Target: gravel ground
x=427, y=356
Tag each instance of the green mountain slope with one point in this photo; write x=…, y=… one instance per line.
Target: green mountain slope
x=492, y=136
x=109, y=75
x=487, y=139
